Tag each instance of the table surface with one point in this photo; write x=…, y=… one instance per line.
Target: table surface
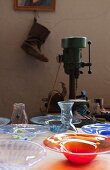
x=57, y=161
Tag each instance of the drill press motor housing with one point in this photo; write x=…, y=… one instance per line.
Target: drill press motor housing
x=72, y=60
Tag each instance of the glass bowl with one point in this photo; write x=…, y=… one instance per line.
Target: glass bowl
x=98, y=128
x=56, y=126
x=4, y=121
x=23, y=131
x=78, y=148
x=41, y=120
x=19, y=155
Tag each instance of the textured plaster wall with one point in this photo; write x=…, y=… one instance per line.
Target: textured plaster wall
x=25, y=79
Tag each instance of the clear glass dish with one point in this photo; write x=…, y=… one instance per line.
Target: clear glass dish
x=23, y=131
x=98, y=128
x=4, y=121
x=78, y=148
x=41, y=120
x=19, y=155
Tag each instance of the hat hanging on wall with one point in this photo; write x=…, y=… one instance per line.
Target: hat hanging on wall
x=36, y=37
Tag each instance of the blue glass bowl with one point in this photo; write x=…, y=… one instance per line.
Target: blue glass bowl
x=98, y=128
x=56, y=126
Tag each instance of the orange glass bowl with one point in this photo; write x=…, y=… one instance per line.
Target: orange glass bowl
x=78, y=148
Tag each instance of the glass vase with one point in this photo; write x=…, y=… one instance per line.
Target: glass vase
x=67, y=117
x=19, y=115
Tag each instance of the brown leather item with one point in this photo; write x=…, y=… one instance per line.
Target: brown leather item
x=34, y=51
x=36, y=37
x=38, y=32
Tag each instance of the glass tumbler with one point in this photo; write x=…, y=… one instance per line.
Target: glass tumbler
x=67, y=115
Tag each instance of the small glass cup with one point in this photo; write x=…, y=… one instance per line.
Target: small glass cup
x=56, y=126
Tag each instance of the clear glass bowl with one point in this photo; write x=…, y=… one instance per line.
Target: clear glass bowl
x=19, y=155
x=78, y=148
x=42, y=119
x=4, y=121
x=23, y=131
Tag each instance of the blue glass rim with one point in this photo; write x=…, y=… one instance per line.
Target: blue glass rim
x=98, y=128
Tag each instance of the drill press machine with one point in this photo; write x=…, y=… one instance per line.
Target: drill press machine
x=72, y=60
x=72, y=55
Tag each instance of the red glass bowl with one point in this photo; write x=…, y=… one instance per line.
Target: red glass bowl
x=78, y=148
